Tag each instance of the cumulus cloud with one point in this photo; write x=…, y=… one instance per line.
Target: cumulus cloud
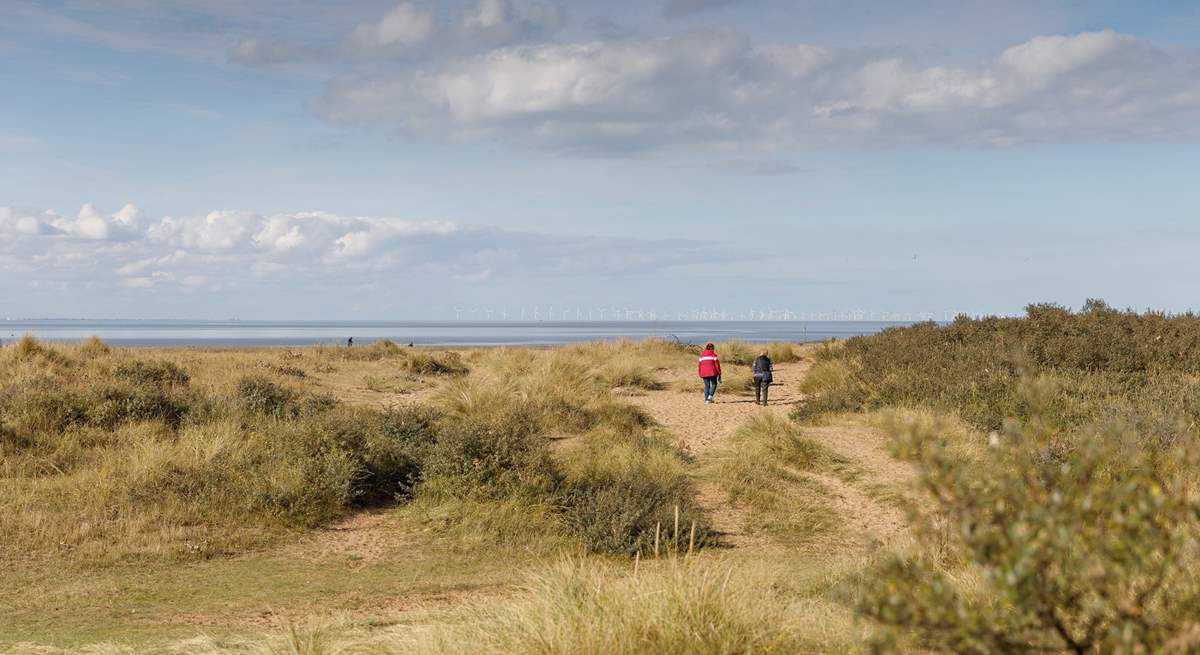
x=718, y=88
x=498, y=22
x=407, y=24
x=410, y=27
x=230, y=249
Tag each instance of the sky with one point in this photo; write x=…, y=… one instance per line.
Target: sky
x=376, y=159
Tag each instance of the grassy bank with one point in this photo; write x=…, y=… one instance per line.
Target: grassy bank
x=1066, y=518
x=142, y=488
x=111, y=455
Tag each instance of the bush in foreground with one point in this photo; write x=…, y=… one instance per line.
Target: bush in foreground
x=1091, y=553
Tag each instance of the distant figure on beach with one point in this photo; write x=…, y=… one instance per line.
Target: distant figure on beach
x=710, y=371
x=350, y=342
x=762, y=368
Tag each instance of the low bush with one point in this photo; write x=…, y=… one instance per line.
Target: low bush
x=490, y=455
x=159, y=373
x=259, y=395
x=111, y=405
x=630, y=493
x=1087, y=551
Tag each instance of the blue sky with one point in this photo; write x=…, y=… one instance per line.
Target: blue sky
x=384, y=159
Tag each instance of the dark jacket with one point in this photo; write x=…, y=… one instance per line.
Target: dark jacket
x=762, y=367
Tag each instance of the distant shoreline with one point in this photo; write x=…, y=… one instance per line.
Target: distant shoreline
x=242, y=335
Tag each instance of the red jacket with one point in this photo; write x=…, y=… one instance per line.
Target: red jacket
x=710, y=364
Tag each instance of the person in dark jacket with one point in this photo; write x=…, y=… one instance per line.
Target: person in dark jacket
x=710, y=372
x=762, y=369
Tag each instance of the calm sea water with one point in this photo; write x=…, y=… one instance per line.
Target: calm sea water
x=426, y=333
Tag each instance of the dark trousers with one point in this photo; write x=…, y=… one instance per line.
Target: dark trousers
x=710, y=387
x=761, y=387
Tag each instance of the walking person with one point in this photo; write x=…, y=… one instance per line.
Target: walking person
x=762, y=368
x=710, y=371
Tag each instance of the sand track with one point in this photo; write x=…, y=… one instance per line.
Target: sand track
x=852, y=490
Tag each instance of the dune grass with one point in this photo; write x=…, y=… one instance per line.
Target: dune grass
x=147, y=464
x=682, y=607
x=573, y=605
x=764, y=473
x=163, y=480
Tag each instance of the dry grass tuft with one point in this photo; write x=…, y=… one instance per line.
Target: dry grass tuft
x=764, y=472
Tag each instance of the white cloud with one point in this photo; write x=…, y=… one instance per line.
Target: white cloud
x=229, y=249
x=718, y=88
x=405, y=25
x=412, y=29
x=496, y=22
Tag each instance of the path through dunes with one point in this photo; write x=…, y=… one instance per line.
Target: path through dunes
x=856, y=490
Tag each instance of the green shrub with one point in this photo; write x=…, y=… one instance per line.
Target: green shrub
x=388, y=448
x=161, y=373
x=1086, y=550
x=258, y=395
x=40, y=407
x=622, y=492
x=488, y=455
x=111, y=405
x=1105, y=364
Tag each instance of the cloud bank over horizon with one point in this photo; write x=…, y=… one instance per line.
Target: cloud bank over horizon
x=227, y=250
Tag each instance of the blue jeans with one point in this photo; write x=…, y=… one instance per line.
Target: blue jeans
x=710, y=387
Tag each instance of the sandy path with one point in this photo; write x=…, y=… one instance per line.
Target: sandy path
x=856, y=489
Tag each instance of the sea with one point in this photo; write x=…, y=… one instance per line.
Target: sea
x=249, y=334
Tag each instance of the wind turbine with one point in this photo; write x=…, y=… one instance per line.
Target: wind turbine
x=458, y=313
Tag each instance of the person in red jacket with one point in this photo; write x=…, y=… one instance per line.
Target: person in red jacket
x=710, y=371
